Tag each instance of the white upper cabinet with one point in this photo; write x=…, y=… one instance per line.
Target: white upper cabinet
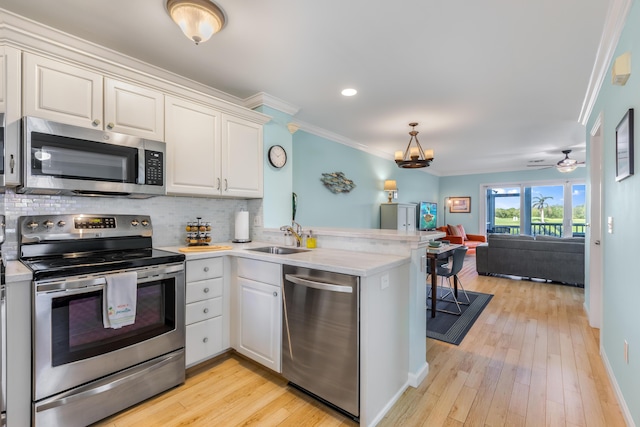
x=242, y=160
x=133, y=110
x=68, y=94
x=210, y=153
x=193, y=148
x=10, y=105
x=61, y=92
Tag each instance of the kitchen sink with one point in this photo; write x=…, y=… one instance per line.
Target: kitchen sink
x=278, y=250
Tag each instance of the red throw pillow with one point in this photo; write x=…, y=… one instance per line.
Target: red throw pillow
x=457, y=230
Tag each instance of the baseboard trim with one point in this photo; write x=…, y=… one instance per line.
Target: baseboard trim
x=616, y=389
x=415, y=380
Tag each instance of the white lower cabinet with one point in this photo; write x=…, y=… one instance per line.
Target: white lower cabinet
x=258, y=314
x=205, y=309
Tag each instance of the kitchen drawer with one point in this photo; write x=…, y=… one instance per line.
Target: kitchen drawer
x=204, y=289
x=202, y=269
x=202, y=310
x=203, y=340
x=260, y=271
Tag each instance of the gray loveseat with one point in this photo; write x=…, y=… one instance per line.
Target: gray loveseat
x=541, y=257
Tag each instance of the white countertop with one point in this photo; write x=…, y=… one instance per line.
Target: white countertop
x=372, y=233
x=339, y=261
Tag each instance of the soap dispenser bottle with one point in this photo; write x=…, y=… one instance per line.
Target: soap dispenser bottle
x=311, y=240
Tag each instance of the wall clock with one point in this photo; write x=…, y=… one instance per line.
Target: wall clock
x=277, y=156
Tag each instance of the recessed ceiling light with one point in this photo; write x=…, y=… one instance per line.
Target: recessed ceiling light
x=349, y=92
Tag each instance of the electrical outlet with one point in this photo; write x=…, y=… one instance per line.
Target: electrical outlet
x=384, y=282
x=626, y=352
x=257, y=221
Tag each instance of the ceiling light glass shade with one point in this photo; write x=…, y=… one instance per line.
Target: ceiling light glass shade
x=567, y=165
x=198, y=19
x=567, y=169
x=414, y=157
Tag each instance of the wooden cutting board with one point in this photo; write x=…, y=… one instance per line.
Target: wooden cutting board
x=205, y=248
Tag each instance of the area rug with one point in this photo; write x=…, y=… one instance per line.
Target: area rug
x=449, y=327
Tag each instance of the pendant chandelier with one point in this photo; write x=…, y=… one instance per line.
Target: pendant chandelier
x=414, y=157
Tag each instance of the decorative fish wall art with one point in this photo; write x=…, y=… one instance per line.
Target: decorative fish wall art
x=336, y=182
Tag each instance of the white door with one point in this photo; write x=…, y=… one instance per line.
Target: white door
x=242, y=160
x=133, y=110
x=192, y=135
x=61, y=92
x=259, y=322
x=594, y=231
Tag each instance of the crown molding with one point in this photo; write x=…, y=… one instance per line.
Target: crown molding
x=34, y=37
x=262, y=98
x=614, y=24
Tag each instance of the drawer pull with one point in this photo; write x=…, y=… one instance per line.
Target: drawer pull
x=206, y=269
x=205, y=311
x=206, y=290
x=205, y=339
x=96, y=122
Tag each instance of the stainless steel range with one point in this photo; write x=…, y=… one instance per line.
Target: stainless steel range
x=3, y=335
x=84, y=367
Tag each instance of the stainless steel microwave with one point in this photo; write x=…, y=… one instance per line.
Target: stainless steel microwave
x=71, y=160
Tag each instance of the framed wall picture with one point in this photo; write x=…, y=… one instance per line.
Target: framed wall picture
x=459, y=204
x=624, y=146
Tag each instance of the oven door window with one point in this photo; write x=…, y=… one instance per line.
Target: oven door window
x=78, y=331
x=70, y=158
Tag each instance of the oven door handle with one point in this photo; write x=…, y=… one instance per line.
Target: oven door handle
x=94, y=389
x=80, y=285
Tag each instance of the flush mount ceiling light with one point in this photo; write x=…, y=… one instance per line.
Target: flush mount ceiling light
x=349, y=92
x=414, y=157
x=198, y=19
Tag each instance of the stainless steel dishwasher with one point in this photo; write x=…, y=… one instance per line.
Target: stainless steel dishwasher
x=321, y=336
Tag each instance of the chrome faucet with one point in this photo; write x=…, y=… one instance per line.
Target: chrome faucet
x=296, y=232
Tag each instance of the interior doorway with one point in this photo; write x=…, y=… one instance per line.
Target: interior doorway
x=595, y=275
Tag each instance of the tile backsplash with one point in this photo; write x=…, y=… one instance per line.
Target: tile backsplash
x=169, y=214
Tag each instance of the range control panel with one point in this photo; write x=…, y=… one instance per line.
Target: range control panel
x=77, y=226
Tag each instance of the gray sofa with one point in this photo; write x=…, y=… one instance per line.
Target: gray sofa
x=541, y=257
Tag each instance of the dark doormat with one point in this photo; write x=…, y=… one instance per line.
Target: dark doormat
x=449, y=327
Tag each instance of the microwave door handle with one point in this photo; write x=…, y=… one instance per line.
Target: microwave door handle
x=141, y=168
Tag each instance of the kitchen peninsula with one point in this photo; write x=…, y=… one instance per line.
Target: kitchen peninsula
x=390, y=265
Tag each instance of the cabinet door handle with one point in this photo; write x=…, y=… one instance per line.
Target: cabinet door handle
x=205, y=339
x=218, y=188
x=205, y=311
x=96, y=122
x=110, y=126
x=206, y=290
x=226, y=185
x=12, y=163
x=206, y=269
x=275, y=294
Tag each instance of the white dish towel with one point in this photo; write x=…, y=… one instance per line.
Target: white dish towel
x=119, y=302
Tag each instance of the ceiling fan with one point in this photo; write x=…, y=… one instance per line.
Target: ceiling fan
x=565, y=165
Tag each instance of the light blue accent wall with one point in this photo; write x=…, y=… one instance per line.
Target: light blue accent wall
x=360, y=208
x=469, y=186
x=276, y=204
x=621, y=269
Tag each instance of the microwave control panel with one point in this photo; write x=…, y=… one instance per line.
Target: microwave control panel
x=154, y=162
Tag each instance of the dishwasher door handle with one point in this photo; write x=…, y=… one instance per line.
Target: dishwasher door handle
x=318, y=285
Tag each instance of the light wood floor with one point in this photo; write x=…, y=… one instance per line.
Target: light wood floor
x=530, y=360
